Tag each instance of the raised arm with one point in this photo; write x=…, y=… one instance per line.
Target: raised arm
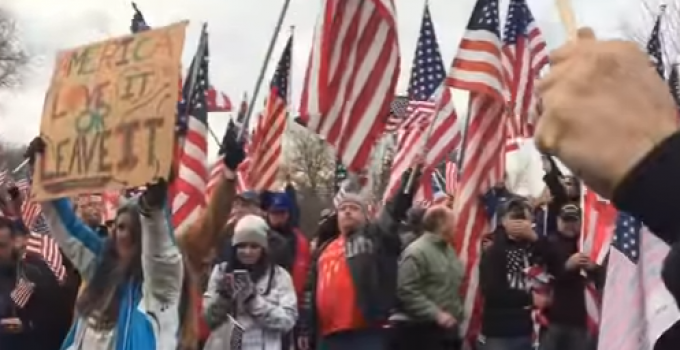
x=161, y=259
x=204, y=234
x=79, y=242
x=394, y=211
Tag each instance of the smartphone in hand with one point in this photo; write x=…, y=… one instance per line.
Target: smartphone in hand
x=241, y=279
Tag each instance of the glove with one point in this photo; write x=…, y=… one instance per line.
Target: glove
x=233, y=151
x=37, y=146
x=155, y=195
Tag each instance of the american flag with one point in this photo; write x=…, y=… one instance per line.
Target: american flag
x=267, y=143
x=39, y=241
x=435, y=195
x=427, y=74
x=30, y=210
x=398, y=112
x=22, y=292
x=349, y=84
x=192, y=175
x=654, y=46
x=597, y=225
x=138, y=23
x=524, y=55
x=45, y=246
x=478, y=69
x=217, y=101
x=634, y=284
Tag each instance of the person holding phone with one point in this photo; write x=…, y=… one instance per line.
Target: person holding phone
x=251, y=291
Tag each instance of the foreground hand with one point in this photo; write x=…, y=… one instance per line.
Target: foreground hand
x=577, y=261
x=604, y=109
x=155, y=194
x=37, y=146
x=521, y=230
x=233, y=150
x=445, y=320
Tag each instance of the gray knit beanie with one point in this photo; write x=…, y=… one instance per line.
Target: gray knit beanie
x=354, y=198
x=251, y=229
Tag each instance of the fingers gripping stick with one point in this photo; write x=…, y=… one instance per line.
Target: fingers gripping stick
x=549, y=139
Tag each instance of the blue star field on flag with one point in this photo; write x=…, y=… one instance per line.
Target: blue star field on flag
x=627, y=236
x=428, y=66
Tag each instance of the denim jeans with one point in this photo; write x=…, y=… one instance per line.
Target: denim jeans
x=515, y=343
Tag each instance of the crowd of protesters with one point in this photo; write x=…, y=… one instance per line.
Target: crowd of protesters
x=243, y=276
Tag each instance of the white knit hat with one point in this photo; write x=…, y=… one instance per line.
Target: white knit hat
x=251, y=229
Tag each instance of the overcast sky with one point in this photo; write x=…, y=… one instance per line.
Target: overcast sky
x=239, y=34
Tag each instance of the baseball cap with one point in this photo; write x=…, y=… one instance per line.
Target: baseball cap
x=570, y=211
x=250, y=196
x=279, y=202
x=514, y=202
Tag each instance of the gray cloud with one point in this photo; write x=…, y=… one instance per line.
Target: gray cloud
x=239, y=35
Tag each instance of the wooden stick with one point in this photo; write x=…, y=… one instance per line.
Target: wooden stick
x=568, y=18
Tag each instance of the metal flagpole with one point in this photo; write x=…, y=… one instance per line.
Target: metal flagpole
x=268, y=56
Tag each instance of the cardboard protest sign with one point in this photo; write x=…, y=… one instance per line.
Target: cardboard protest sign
x=109, y=115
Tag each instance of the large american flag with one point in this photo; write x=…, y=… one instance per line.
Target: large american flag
x=192, y=175
x=478, y=69
x=427, y=74
x=525, y=53
x=351, y=76
x=634, y=284
x=266, y=146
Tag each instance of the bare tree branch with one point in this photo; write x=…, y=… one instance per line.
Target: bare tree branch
x=13, y=58
x=310, y=160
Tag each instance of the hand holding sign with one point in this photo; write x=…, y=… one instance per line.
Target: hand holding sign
x=604, y=96
x=109, y=115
